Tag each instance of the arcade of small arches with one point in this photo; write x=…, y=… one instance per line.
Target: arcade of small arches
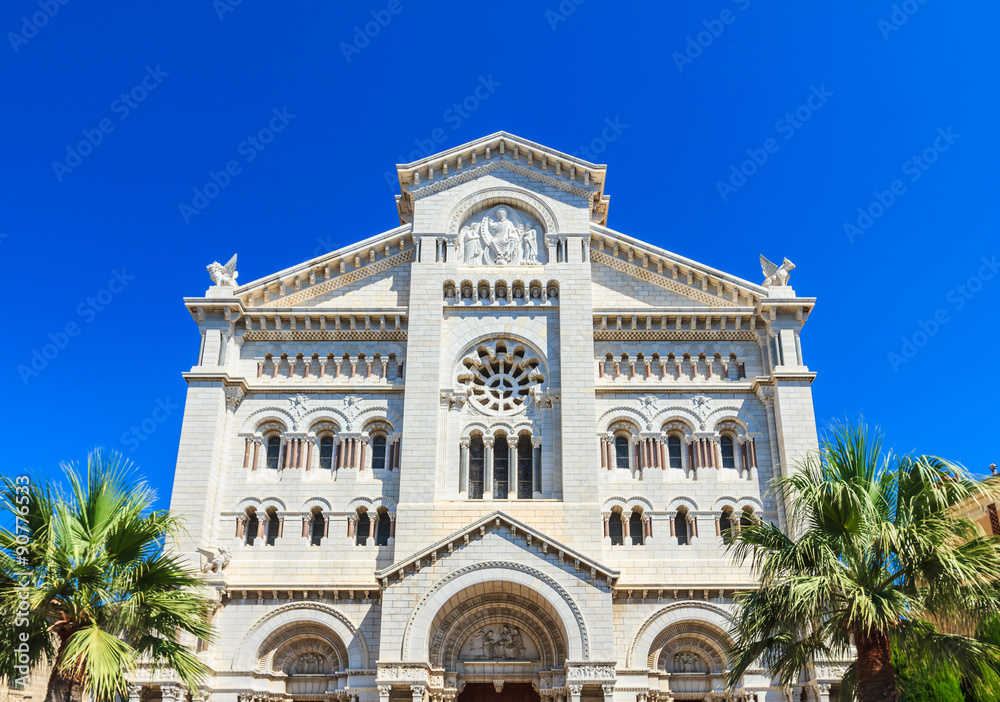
x=345, y=368
x=631, y=522
x=324, y=447
x=671, y=367
x=624, y=446
x=368, y=523
x=500, y=290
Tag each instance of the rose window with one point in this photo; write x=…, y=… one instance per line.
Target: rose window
x=500, y=381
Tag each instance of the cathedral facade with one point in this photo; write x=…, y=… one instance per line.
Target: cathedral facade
x=493, y=452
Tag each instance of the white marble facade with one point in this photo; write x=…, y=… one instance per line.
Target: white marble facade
x=500, y=443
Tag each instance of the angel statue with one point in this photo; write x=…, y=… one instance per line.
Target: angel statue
x=472, y=246
x=776, y=275
x=223, y=275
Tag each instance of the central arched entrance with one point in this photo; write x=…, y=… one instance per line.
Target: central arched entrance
x=498, y=640
x=508, y=692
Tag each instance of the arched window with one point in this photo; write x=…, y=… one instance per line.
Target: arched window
x=728, y=455
x=382, y=530
x=621, y=452
x=273, y=452
x=378, y=453
x=501, y=468
x=317, y=529
x=477, y=453
x=681, y=528
x=615, y=529
x=747, y=518
x=326, y=452
x=726, y=525
x=364, y=527
x=273, y=527
x=524, y=468
x=250, y=531
x=635, y=529
x=674, y=451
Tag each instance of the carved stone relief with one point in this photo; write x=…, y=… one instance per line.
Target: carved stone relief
x=501, y=236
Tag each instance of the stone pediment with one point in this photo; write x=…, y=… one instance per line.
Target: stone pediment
x=502, y=151
x=478, y=529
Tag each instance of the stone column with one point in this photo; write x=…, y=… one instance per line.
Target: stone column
x=417, y=692
x=488, y=468
x=383, y=693
x=609, y=692
x=536, y=466
x=607, y=525
x=463, y=466
x=574, y=692
x=256, y=454
x=604, y=452
x=823, y=692
x=352, y=520
x=512, y=469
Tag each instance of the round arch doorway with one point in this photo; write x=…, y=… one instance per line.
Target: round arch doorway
x=507, y=692
x=498, y=641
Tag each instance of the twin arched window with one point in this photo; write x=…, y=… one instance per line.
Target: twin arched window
x=621, y=528
x=377, y=527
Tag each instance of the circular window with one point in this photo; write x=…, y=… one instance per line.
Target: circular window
x=500, y=382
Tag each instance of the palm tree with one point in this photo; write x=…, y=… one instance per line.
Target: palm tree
x=103, y=591
x=877, y=555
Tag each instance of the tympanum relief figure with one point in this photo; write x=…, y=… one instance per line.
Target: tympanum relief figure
x=500, y=237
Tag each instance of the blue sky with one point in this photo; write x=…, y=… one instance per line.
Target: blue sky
x=887, y=108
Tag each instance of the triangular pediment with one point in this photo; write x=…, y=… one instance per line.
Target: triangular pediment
x=477, y=530
x=499, y=154
x=660, y=278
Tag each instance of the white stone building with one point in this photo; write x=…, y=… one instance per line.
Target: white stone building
x=489, y=453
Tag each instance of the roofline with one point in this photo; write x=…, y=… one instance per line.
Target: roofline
x=299, y=267
x=715, y=272
x=507, y=136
